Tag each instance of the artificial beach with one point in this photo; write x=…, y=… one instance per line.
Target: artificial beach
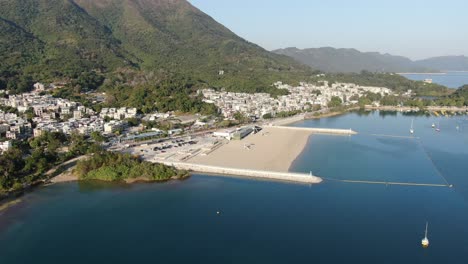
x=267, y=154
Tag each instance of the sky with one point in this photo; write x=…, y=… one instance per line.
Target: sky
x=416, y=29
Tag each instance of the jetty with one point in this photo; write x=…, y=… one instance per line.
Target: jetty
x=330, y=131
x=261, y=174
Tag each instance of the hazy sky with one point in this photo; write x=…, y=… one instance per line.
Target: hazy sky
x=412, y=28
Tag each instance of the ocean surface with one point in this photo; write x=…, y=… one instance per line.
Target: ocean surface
x=449, y=79
x=269, y=222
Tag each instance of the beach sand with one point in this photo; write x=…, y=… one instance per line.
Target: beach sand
x=272, y=149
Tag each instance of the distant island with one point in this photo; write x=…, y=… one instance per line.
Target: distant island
x=334, y=60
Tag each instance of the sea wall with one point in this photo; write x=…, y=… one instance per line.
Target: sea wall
x=287, y=120
x=321, y=130
x=271, y=175
x=408, y=108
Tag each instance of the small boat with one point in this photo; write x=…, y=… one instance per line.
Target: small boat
x=433, y=125
x=412, y=129
x=425, y=241
x=438, y=127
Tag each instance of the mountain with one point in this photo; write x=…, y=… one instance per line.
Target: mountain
x=446, y=63
x=330, y=59
x=61, y=39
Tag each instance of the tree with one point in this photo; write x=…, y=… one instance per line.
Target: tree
x=98, y=137
x=11, y=163
x=239, y=117
x=335, y=101
x=78, y=144
x=363, y=101
x=267, y=116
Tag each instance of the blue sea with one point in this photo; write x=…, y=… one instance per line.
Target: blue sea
x=270, y=222
x=450, y=79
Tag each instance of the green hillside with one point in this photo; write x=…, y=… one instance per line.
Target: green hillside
x=144, y=39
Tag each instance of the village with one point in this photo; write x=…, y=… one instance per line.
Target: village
x=301, y=98
x=49, y=114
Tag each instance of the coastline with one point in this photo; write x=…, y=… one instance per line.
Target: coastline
x=293, y=164
x=330, y=114
x=4, y=205
x=278, y=154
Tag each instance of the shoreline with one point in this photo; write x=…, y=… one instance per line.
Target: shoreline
x=293, y=164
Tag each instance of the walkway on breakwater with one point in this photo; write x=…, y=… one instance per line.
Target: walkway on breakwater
x=391, y=183
x=312, y=130
x=269, y=175
x=415, y=109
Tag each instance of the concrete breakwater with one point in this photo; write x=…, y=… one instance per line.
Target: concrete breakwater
x=270, y=175
x=321, y=130
x=287, y=120
x=415, y=109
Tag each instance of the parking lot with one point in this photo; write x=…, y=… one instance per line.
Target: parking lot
x=177, y=149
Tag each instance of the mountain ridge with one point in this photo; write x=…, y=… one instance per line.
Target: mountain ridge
x=350, y=60
x=446, y=63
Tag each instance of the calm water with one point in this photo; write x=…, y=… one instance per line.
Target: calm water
x=450, y=79
x=268, y=222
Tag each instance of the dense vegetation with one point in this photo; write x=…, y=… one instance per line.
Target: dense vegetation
x=174, y=94
x=81, y=42
x=458, y=98
x=27, y=162
x=109, y=166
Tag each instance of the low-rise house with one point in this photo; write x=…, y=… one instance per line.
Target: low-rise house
x=5, y=146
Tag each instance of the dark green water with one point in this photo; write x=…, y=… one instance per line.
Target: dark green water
x=268, y=222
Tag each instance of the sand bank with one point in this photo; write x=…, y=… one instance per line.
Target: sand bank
x=272, y=149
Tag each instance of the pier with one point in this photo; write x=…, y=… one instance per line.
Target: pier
x=270, y=175
x=330, y=131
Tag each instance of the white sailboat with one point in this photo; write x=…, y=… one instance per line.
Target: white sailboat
x=438, y=127
x=433, y=125
x=425, y=241
x=411, y=129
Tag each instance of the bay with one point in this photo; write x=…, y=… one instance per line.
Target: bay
x=450, y=79
x=269, y=222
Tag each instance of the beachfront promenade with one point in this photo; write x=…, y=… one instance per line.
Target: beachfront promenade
x=270, y=175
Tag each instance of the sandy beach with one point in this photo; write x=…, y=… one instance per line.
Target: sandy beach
x=272, y=149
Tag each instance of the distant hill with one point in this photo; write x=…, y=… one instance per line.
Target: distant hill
x=462, y=92
x=54, y=39
x=351, y=60
x=446, y=63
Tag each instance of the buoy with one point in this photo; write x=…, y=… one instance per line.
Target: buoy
x=425, y=240
x=217, y=212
